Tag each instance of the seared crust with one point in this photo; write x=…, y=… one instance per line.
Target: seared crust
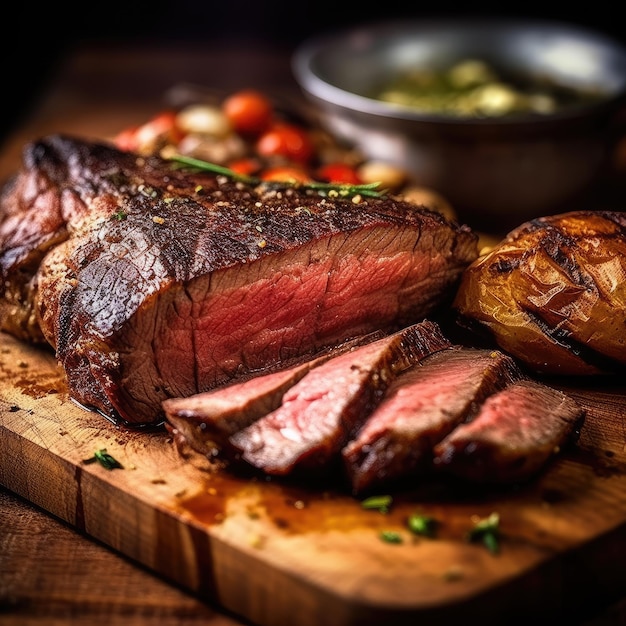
x=153, y=282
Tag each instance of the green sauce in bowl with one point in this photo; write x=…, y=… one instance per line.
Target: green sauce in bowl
x=473, y=88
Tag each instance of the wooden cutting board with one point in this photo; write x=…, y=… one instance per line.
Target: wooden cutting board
x=279, y=555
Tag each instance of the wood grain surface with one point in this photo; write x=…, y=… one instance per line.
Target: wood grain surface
x=267, y=550
x=50, y=574
x=270, y=553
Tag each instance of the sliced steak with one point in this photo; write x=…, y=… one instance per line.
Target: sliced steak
x=421, y=406
x=153, y=282
x=515, y=433
x=322, y=412
x=205, y=420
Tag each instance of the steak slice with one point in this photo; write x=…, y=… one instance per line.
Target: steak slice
x=153, y=282
x=515, y=433
x=421, y=406
x=205, y=420
x=321, y=413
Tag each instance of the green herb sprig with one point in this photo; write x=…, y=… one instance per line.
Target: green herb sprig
x=341, y=189
x=346, y=189
x=206, y=166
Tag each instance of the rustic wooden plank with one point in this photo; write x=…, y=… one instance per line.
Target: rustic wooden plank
x=266, y=550
x=51, y=575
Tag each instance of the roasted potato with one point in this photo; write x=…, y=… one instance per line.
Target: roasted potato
x=553, y=293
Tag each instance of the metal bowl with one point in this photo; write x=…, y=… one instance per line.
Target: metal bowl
x=497, y=172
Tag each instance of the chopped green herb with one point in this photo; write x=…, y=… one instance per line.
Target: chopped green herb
x=422, y=525
x=390, y=536
x=378, y=503
x=344, y=190
x=487, y=531
x=105, y=459
x=119, y=215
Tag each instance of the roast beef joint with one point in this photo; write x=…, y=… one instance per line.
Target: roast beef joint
x=151, y=281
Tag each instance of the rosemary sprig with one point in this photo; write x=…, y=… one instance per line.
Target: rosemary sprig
x=206, y=166
x=346, y=189
x=343, y=190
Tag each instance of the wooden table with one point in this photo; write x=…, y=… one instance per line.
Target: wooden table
x=49, y=573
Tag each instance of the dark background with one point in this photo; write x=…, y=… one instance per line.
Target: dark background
x=35, y=38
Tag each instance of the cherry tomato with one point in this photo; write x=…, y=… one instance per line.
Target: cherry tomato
x=338, y=173
x=248, y=111
x=286, y=140
x=127, y=139
x=247, y=166
x=160, y=129
x=164, y=125
x=286, y=173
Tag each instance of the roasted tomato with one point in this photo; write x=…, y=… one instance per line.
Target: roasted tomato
x=286, y=173
x=286, y=140
x=338, y=173
x=249, y=111
x=127, y=139
x=248, y=166
x=148, y=138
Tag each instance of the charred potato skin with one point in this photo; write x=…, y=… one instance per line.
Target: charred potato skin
x=553, y=293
